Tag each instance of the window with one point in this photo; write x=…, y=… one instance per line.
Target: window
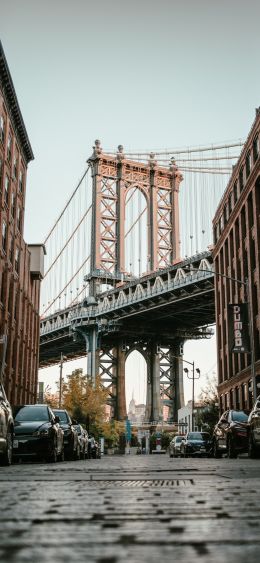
x=15, y=166
x=17, y=260
x=7, y=184
x=11, y=255
x=4, y=235
x=19, y=218
x=235, y=192
x=9, y=147
x=21, y=181
x=2, y=128
x=241, y=179
x=248, y=164
x=230, y=204
x=255, y=148
x=12, y=204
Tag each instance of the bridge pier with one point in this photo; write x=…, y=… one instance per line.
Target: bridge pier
x=120, y=384
x=153, y=403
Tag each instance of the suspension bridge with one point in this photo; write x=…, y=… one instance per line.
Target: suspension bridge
x=129, y=267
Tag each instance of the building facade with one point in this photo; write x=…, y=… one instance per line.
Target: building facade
x=236, y=254
x=21, y=265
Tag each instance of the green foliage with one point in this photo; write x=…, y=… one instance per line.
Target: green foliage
x=112, y=431
x=165, y=440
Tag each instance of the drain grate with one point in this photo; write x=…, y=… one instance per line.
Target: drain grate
x=145, y=484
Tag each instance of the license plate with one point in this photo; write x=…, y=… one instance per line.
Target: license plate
x=202, y=449
x=15, y=444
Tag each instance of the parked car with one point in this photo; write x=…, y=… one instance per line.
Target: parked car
x=254, y=430
x=196, y=444
x=6, y=429
x=71, y=441
x=175, y=445
x=230, y=434
x=37, y=433
x=83, y=440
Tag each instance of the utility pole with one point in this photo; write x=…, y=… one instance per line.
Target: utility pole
x=193, y=380
x=62, y=358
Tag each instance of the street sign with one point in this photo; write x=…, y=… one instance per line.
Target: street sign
x=128, y=432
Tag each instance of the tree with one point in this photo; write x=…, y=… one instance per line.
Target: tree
x=84, y=401
x=209, y=415
x=52, y=399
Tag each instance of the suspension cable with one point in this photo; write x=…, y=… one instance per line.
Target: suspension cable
x=183, y=151
x=68, y=240
x=65, y=287
x=67, y=204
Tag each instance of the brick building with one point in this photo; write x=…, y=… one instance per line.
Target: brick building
x=237, y=254
x=21, y=265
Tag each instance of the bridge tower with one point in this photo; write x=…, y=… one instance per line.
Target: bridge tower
x=112, y=178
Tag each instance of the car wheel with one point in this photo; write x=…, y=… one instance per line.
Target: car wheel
x=171, y=455
x=83, y=454
x=62, y=455
x=253, y=451
x=231, y=452
x=6, y=458
x=216, y=453
x=77, y=453
x=52, y=457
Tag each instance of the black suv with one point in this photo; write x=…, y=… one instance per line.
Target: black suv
x=6, y=429
x=254, y=430
x=71, y=441
x=195, y=444
x=230, y=434
x=37, y=433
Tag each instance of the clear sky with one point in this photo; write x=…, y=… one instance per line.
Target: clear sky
x=144, y=73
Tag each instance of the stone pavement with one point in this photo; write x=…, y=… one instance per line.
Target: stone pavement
x=132, y=508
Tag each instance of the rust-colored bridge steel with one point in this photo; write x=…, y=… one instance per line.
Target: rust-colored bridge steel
x=112, y=180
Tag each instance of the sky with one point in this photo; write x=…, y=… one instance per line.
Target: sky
x=145, y=74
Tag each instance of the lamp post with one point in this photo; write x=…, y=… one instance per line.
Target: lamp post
x=62, y=358
x=193, y=377
x=247, y=285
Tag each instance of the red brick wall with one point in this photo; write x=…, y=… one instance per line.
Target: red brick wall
x=19, y=292
x=237, y=254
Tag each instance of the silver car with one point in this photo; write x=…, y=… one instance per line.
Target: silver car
x=174, y=447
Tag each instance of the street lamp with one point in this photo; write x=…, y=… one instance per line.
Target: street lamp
x=62, y=358
x=247, y=285
x=193, y=377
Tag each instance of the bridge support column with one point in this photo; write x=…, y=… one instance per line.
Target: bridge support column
x=93, y=355
x=153, y=403
x=176, y=383
x=120, y=384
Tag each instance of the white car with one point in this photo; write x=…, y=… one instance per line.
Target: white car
x=174, y=447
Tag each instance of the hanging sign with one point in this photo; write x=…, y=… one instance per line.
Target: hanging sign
x=238, y=328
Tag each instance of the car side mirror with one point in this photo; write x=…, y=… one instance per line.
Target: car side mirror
x=56, y=419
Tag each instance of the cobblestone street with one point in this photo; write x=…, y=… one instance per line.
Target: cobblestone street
x=132, y=508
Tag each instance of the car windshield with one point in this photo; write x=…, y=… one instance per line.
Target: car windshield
x=198, y=436
x=31, y=414
x=239, y=416
x=178, y=439
x=62, y=415
x=78, y=428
